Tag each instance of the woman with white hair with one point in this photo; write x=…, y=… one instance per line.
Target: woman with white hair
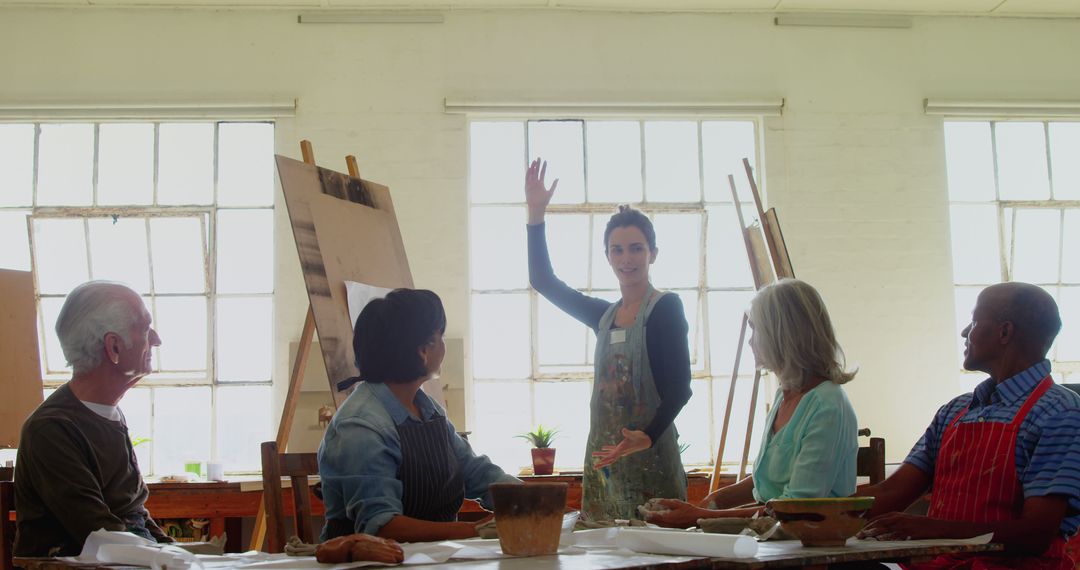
x=811, y=442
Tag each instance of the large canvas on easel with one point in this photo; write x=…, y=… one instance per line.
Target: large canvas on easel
x=20, y=361
x=345, y=230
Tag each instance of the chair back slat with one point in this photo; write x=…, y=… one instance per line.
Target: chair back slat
x=297, y=467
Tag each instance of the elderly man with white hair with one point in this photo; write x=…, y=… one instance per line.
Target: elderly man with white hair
x=76, y=470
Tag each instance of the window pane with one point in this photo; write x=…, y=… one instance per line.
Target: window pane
x=568, y=240
x=497, y=162
x=1070, y=258
x=179, y=255
x=671, y=162
x=965, y=303
x=50, y=310
x=16, y=165
x=501, y=336
x=499, y=257
x=13, y=234
x=502, y=412
x=1021, y=154
x=1064, y=152
x=726, y=309
x=726, y=263
x=65, y=165
x=614, y=155
x=136, y=408
x=181, y=323
x=724, y=145
x=1036, y=242
x=243, y=423
x=185, y=163
x=561, y=338
x=560, y=144
x=126, y=163
x=678, y=239
x=603, y=277
x=59, y=255
x=245, y=164
x=245, y=251
x=739, y=415
x=118, y=252
x=969, y=161
x=976, y=251
x=694, y=336
x=693, y=425
x=181, y=428
x=565, y=406
x=244, y=333
x=1068, y=340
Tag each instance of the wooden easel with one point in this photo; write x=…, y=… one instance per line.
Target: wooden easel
x=763, y=256
x=296, y=377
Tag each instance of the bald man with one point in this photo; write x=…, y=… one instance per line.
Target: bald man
x=1004, y=459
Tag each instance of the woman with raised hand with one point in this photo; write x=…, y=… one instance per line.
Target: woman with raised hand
x=811, y=442
x=642, y=370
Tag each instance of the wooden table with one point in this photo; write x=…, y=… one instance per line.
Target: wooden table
x=780, y=554
x=225, y=504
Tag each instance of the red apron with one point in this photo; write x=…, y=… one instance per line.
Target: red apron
x=975, y=480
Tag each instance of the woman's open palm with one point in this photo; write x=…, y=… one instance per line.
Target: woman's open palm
x=537, y=195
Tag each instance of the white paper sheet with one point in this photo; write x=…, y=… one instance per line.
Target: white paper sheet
x=686, y=543
x=112, y=547
x=359, y=295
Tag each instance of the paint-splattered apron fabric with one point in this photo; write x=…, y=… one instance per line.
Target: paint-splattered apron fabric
x=624, y=395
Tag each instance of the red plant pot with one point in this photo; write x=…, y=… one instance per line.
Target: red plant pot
x=543, y=460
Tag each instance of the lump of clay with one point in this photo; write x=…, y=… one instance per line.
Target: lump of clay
x=725, y=525
x=359, y=548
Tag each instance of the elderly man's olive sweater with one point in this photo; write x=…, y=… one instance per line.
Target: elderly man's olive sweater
x=76, y=472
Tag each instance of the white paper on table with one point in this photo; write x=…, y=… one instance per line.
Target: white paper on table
x=359, y=295
x=114, y=547
x=686, y=543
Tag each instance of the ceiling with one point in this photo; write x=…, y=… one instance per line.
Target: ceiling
x=998, y=8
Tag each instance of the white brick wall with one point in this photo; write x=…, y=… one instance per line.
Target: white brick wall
x=854, y=167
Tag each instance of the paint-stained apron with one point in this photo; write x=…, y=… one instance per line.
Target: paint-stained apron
x=624, y=396
x=975, y=480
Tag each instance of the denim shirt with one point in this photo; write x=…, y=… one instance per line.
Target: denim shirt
x=361, y=452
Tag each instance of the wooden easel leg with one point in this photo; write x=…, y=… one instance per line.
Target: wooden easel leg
x=750, y=425
x=714, y=482
x=296, y=381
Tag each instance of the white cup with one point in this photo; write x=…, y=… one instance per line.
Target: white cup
x=215, y=471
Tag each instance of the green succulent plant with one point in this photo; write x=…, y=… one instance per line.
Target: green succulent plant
x=540, y=437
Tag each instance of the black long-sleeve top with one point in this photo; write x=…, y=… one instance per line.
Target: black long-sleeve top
x=665, y=334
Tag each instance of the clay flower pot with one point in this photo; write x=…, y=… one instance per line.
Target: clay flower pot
x=529, y=517
x=821, y=522
x=543, y=460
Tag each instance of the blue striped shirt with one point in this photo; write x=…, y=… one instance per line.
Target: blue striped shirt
x=1048, y=442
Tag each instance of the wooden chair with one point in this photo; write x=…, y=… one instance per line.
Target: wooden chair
x=7, y=526
x=297, y=467
x=870, y=461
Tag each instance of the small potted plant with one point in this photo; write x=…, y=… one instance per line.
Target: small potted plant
x=543, y=455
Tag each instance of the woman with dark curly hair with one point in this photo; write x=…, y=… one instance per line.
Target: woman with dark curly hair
x=391, y=464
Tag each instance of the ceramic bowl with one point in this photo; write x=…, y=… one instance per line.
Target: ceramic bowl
x=821, y=522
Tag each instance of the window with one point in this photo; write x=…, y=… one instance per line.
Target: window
x=1014, y=191
x=531, y=363
x=183, y=213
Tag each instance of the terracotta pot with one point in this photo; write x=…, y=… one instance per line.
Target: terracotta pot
x=529, y=517
x=543, y=460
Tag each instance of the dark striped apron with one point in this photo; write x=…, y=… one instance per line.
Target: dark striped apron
x=432, y=486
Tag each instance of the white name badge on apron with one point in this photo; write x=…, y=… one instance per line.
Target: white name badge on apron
x=618, y=336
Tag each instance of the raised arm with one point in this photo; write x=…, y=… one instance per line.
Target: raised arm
x=587, y=310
